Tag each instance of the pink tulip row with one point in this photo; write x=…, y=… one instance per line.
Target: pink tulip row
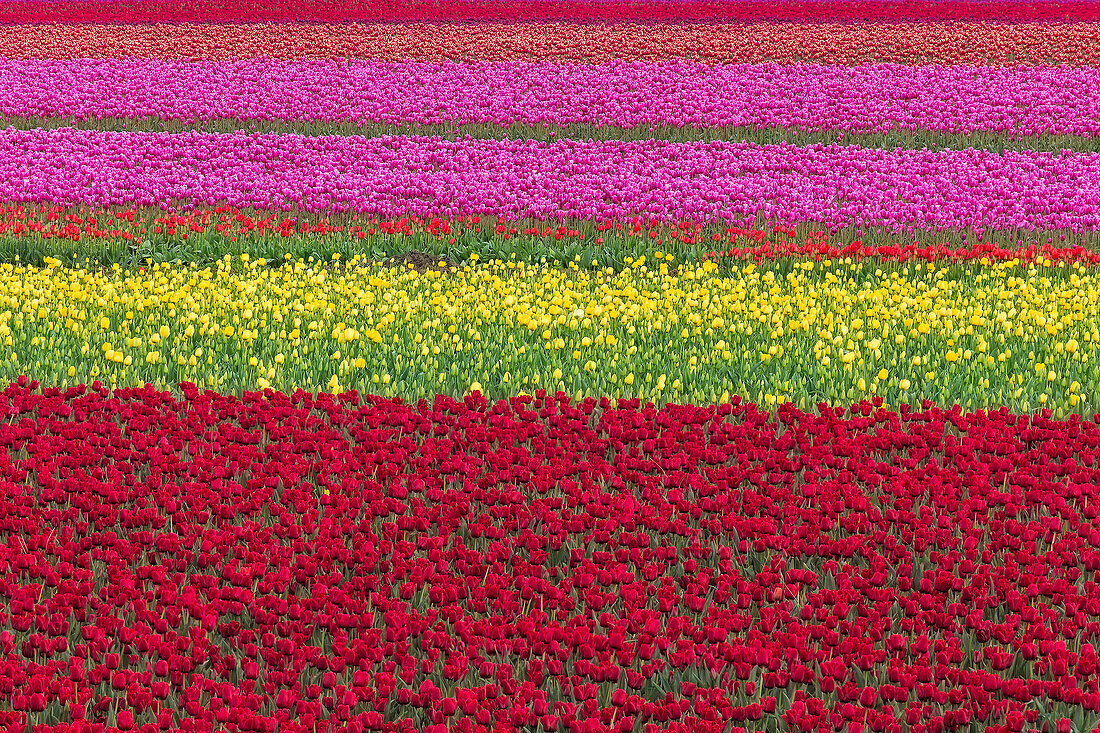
x=512, y=11
x=307, y=562
x=610, y=180
x=824, y=43
x=955, y=99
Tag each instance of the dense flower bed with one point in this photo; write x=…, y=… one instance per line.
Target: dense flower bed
x=306, y=562
x=512, y=11
x=393, y=176
x=742, y=375
x=1015, y=102
x=979, y=43
x=983, y=334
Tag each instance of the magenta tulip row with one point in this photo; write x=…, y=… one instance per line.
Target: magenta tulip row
x=387, y=176
x=873, y=98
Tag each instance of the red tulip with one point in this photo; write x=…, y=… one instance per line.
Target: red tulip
x=500, y=608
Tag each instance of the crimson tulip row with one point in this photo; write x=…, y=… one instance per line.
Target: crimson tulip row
x=452, y=11
x=511, y=11
x=985, y=43
x=307, y=561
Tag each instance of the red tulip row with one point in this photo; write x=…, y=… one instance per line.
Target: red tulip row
x=984, y=43
x=309, y=562
x=58, y=222
x=513, y=11
x=783, y=241
x=225, y=227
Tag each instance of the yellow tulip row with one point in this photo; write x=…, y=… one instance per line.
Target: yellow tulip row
x=981, y=335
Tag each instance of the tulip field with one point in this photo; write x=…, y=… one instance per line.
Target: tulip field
x=549, y=365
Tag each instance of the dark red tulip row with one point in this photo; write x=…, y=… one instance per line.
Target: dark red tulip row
x=311, y=562
x=523, y=11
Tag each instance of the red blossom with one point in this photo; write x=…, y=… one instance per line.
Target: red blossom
x=541, y=562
